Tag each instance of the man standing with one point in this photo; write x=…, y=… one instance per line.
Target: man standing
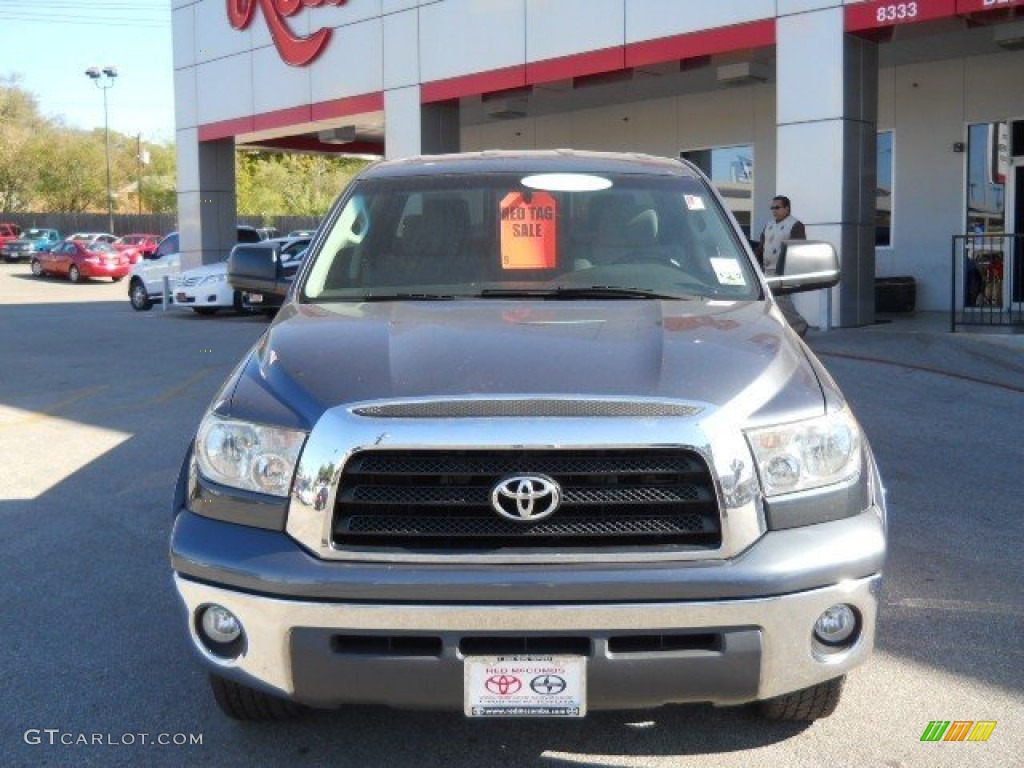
x=784, y=226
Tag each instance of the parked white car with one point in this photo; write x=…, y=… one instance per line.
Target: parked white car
x=146, y=281
x=146, y=284
x=206, y=289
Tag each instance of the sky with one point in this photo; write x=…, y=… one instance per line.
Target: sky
x=50, y=44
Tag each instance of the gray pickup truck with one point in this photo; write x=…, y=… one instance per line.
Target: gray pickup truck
x=531, y=437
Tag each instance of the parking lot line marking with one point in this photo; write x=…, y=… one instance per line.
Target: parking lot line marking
x=173, y=392
x=34, y=417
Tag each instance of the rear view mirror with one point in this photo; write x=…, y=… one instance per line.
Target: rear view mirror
x=805, y=265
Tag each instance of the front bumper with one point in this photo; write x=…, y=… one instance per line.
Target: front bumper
x=725, y=652
x=329, y=633
x=214, y=295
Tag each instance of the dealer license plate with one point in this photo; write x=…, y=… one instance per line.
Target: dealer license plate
x=254, y=298
x=525, y=686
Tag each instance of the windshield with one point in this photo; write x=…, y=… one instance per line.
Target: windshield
x=500, y=235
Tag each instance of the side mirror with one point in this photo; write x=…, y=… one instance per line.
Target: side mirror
x=805, y=265
x=255, y=261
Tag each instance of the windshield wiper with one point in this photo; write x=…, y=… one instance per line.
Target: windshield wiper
x=404, y=297
x=582, y=292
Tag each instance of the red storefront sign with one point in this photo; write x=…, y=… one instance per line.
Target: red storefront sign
x=980, y=6
x=295, y=50
x=880, y=14
x=885, y=14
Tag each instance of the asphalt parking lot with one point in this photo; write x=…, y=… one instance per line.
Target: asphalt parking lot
x=97, y=405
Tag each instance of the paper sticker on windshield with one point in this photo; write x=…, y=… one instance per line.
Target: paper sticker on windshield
x=694, y=202
x=728, y=271
x=529, y=230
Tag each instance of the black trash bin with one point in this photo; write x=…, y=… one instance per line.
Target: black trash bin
x=895, y=294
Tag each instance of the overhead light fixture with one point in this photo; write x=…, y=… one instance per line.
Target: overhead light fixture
x=1009, y=36
x=346, y=134
x=742, y=73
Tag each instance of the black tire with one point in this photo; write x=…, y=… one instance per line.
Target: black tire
x=74, y=274
x=205, y=310
x=117, y=279
x=37, y=268
x=138, y=297
x=807, y=704
x=236, y=302
x=241, y=702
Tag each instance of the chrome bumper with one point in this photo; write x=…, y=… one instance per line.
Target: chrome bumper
x=773, y=643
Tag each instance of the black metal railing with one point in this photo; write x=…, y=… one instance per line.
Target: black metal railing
x=988, y=281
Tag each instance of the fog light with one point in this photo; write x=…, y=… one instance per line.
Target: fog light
x=220, y=625
x=836, y=625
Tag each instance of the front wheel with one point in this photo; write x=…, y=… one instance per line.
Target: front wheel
x=75, y=274
x=811, y=703
x=241, y=702
x=37, y=268
x=117, y=279
x=138, y=297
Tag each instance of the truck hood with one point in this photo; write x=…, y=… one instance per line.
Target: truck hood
x=715, y=354
x=217, y=268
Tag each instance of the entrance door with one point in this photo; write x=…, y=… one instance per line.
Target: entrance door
x=1015, y=226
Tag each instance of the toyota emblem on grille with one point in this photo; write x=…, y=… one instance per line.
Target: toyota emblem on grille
x=526, y=498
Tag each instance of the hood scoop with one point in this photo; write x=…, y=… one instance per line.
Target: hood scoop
x=529, y=407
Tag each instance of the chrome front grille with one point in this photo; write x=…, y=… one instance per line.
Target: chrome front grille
x=441, y=500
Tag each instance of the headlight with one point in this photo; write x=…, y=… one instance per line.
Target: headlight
x=253, y=457
x=807, y=454
x=213, y=279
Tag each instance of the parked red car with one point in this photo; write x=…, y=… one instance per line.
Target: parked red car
x=79, y=260
x=137, y=246
x=9, y=232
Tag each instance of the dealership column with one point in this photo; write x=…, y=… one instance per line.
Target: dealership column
x=206, y=198
x=826, y=115
x=412, y=128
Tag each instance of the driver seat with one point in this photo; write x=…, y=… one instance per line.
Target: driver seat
x=620, y=234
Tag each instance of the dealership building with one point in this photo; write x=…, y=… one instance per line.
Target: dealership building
x=892, y=126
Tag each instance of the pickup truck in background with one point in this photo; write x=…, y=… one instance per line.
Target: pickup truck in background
x=264, y=271
x=9, y=232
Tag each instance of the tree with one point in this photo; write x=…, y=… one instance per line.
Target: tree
x=19, y=126
x=268, y=183
x=73, y=179
x=47, y=166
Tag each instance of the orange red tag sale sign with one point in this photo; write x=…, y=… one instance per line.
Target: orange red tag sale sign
x=529, y=231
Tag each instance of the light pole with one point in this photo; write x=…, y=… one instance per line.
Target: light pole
x=104, y=80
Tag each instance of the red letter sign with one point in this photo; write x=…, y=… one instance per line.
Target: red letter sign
x=297, y=51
